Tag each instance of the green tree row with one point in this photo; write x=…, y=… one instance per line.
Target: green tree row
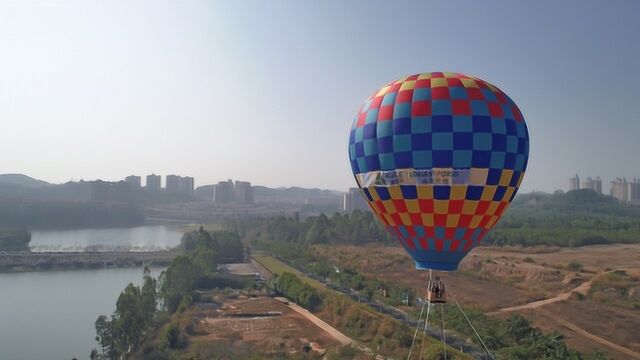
x=354, y=228
x=293, y=288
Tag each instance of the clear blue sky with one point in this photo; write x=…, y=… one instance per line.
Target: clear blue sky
x=266, y=90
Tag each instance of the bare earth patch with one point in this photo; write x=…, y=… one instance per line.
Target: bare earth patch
x=261, y=323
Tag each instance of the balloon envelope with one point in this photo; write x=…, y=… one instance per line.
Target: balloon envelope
x=439, y=157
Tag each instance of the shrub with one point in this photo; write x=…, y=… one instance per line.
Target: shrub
x=172, y=337
x=575, y=266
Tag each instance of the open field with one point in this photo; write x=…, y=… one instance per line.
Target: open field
x=247, y=325
x=551, y=286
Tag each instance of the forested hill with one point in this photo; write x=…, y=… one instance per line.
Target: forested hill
x=22, y=180
x=575, y=218
x=577, y=202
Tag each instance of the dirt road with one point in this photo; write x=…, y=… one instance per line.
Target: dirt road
x=582, y=289
x=342, y=338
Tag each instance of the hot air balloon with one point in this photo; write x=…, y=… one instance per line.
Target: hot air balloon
x=438, y=157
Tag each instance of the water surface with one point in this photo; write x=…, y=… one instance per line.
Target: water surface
x=51, y=315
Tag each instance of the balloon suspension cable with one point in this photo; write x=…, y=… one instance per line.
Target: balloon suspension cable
x=426, y=326
x=444, y=336
x=474, y=329
x=426, y=320
x=416, y=332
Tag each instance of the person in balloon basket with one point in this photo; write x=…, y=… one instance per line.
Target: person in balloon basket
x=436, y=293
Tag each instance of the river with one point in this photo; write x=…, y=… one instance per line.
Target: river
x=50, y=314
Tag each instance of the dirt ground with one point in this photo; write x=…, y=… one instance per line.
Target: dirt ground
x=494, y=278
x=260, y=323
x=392, y=264
x=611, y=324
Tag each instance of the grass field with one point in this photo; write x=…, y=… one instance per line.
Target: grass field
x=207, y=227
x=278, y=267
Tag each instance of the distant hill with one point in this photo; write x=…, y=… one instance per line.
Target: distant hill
x=22, y=180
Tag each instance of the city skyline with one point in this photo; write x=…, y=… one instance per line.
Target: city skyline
x=268, y=92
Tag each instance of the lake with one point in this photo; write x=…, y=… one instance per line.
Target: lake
x=51, y=314
x=140, y=238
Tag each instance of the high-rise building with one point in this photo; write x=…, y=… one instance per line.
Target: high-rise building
x=620, y=189
x=595, y=185
x=633, y=190
x=179, y=184
x=598, y=185
x=185, y=185
x=353, y=200
x=172, y=184
x=223, y=192
x=574, y=183
x=154, y=182
x=243, y=192
x=587, y=183
x=135, y=181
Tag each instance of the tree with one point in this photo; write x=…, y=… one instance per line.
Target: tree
x=149, y=301
x=177, y=280
x=105, y=337
x=206, y=259
x=130, y=319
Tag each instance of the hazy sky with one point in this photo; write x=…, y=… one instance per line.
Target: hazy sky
x=266, y=90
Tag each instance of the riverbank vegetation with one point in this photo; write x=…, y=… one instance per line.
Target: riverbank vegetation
x=146, y=310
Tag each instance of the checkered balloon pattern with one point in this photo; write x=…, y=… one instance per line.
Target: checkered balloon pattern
x=439, y=157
